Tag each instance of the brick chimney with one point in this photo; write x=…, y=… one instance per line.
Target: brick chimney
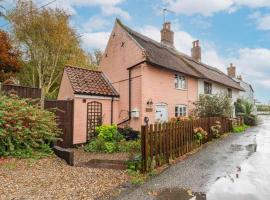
x=196, y=51
x=231, y=71
x=167, y=35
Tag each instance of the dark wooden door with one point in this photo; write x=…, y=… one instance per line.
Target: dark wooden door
x=94, y=118
x=64, y=111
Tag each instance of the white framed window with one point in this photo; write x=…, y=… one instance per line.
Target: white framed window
x=180, y=81
x=207, y=88
x=229, y=92
x=180, y=110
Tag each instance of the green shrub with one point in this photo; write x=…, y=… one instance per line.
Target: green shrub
x=251, y=120
x=25, y=129
x=212, y=106
x=109, y=133
x=129, y=133
x=109, y=140
x=130, y=146
x=240, y=129
x=106, y=141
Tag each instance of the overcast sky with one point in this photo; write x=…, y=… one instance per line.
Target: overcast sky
x=236, y=31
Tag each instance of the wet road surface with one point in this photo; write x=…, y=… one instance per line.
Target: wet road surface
x=236, y=167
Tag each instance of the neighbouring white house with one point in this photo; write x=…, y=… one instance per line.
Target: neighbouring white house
x=248, y=93
x=217, y=81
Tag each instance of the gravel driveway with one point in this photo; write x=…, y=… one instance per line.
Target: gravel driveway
x=52, y=178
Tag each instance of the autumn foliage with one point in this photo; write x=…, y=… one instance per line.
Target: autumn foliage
x=9, y=58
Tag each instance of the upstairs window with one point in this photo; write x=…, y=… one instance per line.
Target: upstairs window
x=207, y=88
x=180, y=81
x=230, y=92
x=180, y=110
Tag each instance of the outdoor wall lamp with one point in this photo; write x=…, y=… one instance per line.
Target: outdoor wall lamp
x=149, y=103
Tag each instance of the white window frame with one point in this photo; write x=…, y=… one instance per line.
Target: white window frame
x=230, y=92
x=211, y=88
x=180, y=110
x=180, y=82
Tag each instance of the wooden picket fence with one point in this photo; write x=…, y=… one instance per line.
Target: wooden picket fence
x=162, y=142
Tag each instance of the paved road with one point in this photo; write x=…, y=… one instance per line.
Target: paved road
x=236, y=167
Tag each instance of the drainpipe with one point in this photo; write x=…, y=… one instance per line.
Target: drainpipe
x=129, y=98
x=112, y=111
x=129, y=92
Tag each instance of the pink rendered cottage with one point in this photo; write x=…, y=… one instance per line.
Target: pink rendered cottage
x=140, y=81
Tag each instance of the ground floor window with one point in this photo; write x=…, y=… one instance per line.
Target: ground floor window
x=180, y=110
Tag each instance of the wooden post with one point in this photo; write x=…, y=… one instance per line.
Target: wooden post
x=144, y=148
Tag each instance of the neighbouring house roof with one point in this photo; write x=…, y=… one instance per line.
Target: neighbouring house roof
x=169, y=58
x=89, y=82
x=241, y=81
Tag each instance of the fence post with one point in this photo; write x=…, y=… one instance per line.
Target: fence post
x=144, y=148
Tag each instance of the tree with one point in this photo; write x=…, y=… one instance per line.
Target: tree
x=1, y=9
x=9, y=58
x=213, y=106
x=48, y=42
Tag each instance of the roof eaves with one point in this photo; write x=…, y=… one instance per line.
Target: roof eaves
x=96, y=94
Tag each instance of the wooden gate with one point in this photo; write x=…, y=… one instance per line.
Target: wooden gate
x=64, y=113
x=94, y=118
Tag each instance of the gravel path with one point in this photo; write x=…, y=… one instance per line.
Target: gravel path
x=52, y=178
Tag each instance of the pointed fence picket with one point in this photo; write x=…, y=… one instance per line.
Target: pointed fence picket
x=162, y=142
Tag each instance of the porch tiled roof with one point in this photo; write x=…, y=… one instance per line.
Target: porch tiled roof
x=89, y=82
x=168, y=57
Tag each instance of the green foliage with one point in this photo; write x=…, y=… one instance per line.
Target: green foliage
x=25, y=129
x=48, y=42
x=245, y=109
x=213, y=106
x=251, y=120
x=107, y=140
x=263, y=108
x=240, y=129
x=130, y=146
x=129, y=133
x=109, y=133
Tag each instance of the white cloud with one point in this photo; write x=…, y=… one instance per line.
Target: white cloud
x=108, y=7
x=210, y=7
x=95, y=23
x=263, y=23
x=191, y=7
x=112, y=10
x=95, y=40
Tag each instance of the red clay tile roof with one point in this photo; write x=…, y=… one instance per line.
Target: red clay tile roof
x=167, y=57
x=89, y=82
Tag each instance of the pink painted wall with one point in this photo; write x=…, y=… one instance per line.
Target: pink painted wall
x=147, y=82
x=65, y=90
x=80, y=116
x=158, y=85
x=114, y=64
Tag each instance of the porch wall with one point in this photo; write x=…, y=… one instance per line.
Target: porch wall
x=80, y=116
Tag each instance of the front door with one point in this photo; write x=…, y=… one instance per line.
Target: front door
x=161, y=112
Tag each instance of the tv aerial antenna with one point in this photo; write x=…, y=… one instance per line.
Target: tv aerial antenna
x=165, y=10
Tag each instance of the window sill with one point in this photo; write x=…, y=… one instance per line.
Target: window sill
x=181, y=89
